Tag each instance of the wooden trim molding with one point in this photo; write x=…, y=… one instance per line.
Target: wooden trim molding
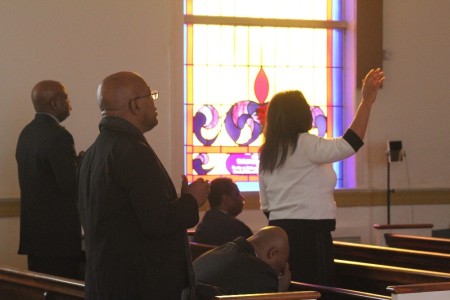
x=401, y=226
x=10, y=207
x=353, y=198
x=369, y=37
x=244, y=21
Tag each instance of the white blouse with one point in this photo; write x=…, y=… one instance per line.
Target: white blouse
x=303, y=187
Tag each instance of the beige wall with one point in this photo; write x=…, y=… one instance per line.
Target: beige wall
x=9, y=241
x=80, y=42
x=415, y=101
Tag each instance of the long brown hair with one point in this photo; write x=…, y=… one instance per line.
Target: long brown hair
x=288, y=115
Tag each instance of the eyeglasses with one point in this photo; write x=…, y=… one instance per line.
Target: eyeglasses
x=154, y=94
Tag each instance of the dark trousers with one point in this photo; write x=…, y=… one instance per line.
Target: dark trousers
x=64, y=266
x=311, y=257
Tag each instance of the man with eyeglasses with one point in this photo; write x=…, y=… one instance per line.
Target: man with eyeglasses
x=134, y=222
x=50, y=231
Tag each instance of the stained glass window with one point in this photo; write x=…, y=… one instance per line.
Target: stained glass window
x=238, y=54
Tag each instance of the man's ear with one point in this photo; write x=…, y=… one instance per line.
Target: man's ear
x=134, y=106
x=272, y=252
x=54, y=104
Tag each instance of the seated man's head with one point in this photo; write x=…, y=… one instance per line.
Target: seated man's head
x=271, y=245
x=225, y=195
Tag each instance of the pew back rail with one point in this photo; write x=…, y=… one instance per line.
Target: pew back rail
x=407, y=258
x=335, y=293
x=35, y=285
x=375, y=278
x=275, y=296
x=432, y=244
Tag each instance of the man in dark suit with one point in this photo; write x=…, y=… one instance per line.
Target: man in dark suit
x=219, y=224
x=134, y=222
x=50, y=231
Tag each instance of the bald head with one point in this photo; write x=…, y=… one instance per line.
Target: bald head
x=271, y=245
x=50, y=97
x=120, y=95
x=115, y=91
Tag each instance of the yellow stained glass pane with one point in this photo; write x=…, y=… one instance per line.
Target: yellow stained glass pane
x=280, y=9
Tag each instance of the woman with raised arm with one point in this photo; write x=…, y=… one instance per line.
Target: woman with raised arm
x=297, y=180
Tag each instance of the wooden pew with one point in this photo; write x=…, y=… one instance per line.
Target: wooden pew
x=198, y=249
x=414, y=242
x=415, y=291
x=422, y=291
x=26, y=285
x=354, y=276
x=414, y=259
x=356, y=281
x=375, y=278
x=275, y=296
x=335, y=293
x=401, y=257
x=436, y=291
x=412, y=229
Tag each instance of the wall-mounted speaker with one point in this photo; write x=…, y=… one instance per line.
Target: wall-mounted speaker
x=395, y=151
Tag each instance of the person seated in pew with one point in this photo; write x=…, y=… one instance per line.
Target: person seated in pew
x=258, y=264
x=219, y=225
